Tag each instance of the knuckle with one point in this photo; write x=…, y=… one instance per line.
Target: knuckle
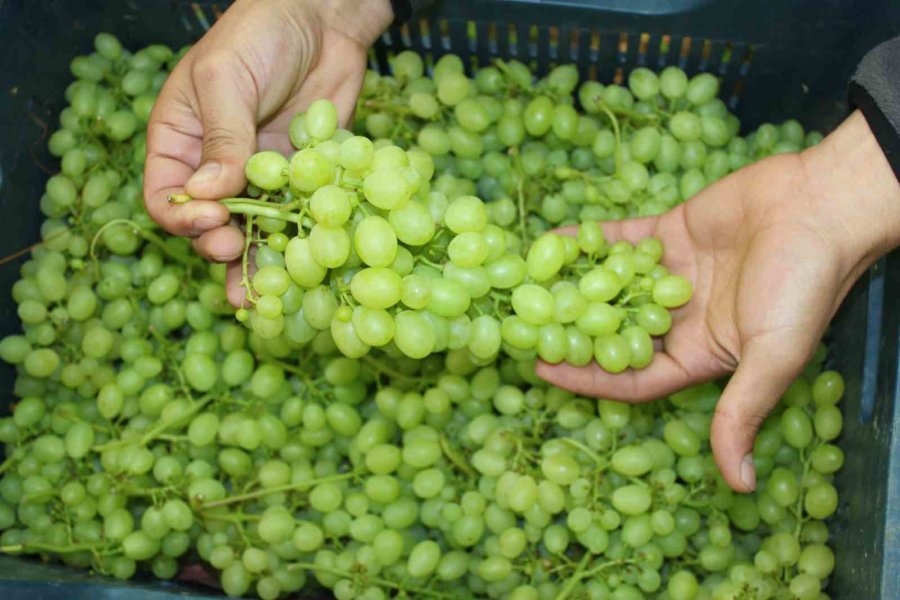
x=743, y=421
x=200, y=247
x=217, y=139
x=156, y=205
x=208, y=67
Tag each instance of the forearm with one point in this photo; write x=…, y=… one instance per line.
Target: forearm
x=854, y=193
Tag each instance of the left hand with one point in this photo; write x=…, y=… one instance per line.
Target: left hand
x=772, y=251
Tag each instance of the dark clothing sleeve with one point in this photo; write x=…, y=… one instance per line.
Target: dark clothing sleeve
x=875, y=90
x=404, y=10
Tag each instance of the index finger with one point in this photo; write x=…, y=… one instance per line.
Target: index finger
x=660, y=378
x=631, y=230
x=173, y=154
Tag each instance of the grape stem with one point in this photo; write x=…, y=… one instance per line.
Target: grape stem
x=241, y=206
x=231, y=517
x=615, y=125
x=39, y=495
x=635, y=115
x=593, y=455
x=580, y=573
x=387, y=370
x=154, y=239
x=520, y=193
x=421, y=258
x=27, y=249
x=289, y=487
x=799, y=509
x=245, y=257
x=576, y=576
x=16, y=548
x=454, y=457
x=159, y=429
x=376, y=580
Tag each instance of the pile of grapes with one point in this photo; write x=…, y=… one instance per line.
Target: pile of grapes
x=371, y=423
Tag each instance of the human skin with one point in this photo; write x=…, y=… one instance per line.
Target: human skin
x=235, y=92
x=772, y=250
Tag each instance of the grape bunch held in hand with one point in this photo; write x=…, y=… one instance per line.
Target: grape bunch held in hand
x=358, y=244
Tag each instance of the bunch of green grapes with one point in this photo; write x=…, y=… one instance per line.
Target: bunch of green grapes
x=638, y=149
x=152, y=434
x=358, y=245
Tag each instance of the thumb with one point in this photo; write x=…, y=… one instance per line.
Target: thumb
x=228, y=121
x=762, y=376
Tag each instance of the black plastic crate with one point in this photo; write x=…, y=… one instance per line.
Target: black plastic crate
x=777, y=59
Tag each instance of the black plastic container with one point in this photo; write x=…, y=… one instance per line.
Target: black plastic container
x=777, y=59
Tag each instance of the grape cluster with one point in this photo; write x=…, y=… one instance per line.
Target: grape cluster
x=359, y=246
x=555, y=152
x=151, y=433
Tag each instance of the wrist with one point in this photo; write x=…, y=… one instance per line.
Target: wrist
x=854, y=191
x=360, y=20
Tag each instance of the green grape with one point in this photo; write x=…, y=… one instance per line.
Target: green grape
x=423, y=559
x=321, y=119
x=375, y=241
x=467, y=250
x=329, y=246
x=631, y=461
x=612, y=352
x=464, y=214
x=507, y=272
x=820, y=501
x=796, y=427
x=533, y=304
x=413, y=334
x=827, y=459
x=412, y=223
x=673, y=82
x=452, y=88
x=309, y=170
x=644, y=83
x=828, y=388
x=434, y=140
x=569, y=304
x=538, y=116
x=356, y=153
x=631, y=499
x=485, y=337
x=376, y=287
x=600, y=284
x=386, y=189
x=681, y=438
x=137, y=545
x=672, y=291
x=545, y=257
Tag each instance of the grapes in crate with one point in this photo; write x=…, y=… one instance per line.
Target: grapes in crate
x=371, y=423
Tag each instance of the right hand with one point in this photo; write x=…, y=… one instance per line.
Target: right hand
x=235, y=92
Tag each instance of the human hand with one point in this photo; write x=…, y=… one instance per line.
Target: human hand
x=772, y=251
x=235, y=92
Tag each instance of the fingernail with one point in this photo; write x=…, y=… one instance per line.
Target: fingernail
x=223, y=257
x=206, y=173
x=748, y=472
x=202, y=224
